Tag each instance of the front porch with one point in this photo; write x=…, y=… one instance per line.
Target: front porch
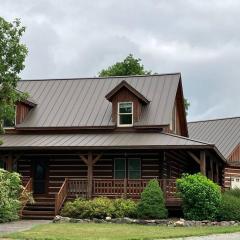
x=67, y=174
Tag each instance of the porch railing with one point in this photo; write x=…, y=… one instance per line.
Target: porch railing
x=27, y=189
x=119, y=187
x=61, y=196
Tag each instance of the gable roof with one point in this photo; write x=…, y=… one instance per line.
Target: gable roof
x=81, y=102
x=224, y=133
x=123, y=84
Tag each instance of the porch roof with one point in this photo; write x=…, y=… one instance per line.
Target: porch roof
x=99, y=141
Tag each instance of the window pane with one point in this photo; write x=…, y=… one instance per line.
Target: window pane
x=134, y=168
x=119, y=168
x=125, y=107
x=125, y=119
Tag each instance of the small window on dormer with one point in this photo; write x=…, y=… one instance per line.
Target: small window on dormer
x=125, y=114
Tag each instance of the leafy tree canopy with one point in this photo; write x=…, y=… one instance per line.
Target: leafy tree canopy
x=130, y=66
x=12, y=57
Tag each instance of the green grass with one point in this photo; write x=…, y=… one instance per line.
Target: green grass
x=91, y=231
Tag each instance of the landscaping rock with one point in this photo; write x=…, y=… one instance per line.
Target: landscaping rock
x=179, y=223
x=60, y=219
x=167, y=222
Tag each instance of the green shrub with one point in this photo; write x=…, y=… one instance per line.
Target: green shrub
x=152, y=203
x=229, y=209
x=10, y=189
x=201, y=197
x=124, y=208
x=233, y=192
x=100, y=207
x=79, y=208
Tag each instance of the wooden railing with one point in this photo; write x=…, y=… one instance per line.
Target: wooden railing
x=118, y=187
x=77, y=187
x=61, y=196
x=27, y=189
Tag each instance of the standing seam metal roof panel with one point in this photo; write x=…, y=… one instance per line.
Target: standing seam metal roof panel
x=82, y=103
x=224, y=133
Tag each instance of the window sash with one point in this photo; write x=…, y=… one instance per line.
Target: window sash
x=125, y=113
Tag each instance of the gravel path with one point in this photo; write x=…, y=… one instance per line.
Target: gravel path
x=228, y=236
x=21, y=225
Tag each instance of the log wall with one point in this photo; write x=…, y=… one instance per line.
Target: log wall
x=153, y=165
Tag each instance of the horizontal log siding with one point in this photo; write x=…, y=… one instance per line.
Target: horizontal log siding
x=151, y=165
x=24, y=168
x=61, y=167
x=228, y=173
x=159, y=165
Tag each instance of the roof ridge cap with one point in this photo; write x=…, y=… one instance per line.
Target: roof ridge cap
x=86, y=78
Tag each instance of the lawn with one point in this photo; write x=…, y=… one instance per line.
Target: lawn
x=91, y=231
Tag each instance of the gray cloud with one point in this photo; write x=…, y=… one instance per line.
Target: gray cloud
x=198, y=38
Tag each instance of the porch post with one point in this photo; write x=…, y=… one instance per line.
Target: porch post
x=90, y=161
x=211, y=170
x=9, y=163
x=90, y=174
x=203, y=162
x=217, y=172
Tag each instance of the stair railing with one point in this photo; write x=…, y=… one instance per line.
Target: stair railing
x=61, y=196
x=27, y=189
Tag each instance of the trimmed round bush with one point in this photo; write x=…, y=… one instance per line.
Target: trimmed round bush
x=229, y=209
x=152, y=203
x=201, y=197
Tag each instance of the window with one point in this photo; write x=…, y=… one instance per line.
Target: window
x=125, y=114
x=130, y=168
x=119, y=168
x=134, y=168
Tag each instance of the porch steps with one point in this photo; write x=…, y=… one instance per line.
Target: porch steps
x=43, y=208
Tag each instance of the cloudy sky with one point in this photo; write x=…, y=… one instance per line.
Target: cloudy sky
x=200, y=39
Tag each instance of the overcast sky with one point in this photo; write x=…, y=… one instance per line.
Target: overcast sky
x=200, y=39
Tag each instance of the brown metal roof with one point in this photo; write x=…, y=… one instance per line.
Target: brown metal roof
x=82, y=102
x=224, y=133
x=98, y=141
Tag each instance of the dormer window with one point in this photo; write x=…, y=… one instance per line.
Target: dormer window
x=125, y=114
x=127, y=104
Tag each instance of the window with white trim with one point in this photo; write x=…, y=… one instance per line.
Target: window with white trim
x=125, y=114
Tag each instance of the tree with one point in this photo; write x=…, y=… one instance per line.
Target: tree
x=12, y=57
x=130, y=66
x=152, y=203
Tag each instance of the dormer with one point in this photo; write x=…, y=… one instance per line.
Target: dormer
x=127, y=104
x=23, y=108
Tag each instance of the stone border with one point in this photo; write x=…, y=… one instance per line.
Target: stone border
x=156, y=222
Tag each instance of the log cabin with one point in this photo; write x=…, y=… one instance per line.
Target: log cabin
x=90, y=137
